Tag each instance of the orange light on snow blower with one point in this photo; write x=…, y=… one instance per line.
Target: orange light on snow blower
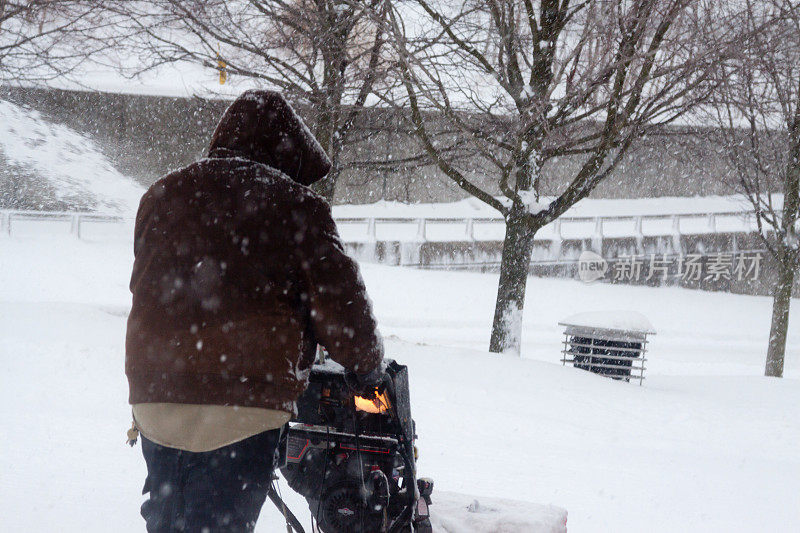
x=378, y=405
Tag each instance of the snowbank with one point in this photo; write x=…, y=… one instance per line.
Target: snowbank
x=459, y=513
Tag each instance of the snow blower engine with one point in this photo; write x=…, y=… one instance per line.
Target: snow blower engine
x=353, y=458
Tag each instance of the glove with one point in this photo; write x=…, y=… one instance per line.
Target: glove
x=365, y=385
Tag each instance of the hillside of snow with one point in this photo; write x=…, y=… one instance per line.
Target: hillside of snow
x=50, y=166
x=706, y=444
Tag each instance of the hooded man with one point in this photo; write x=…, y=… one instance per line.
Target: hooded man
x=239, y=273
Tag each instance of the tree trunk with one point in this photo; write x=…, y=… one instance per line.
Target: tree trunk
x=780, y=322
x=787, y=263
x=327, y=186
x=326, y=131
x=327, y=106
x=514, y=265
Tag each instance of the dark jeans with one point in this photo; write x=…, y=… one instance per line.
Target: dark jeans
x=217, y=491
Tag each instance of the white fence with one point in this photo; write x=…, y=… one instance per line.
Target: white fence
x=80, y=225
x=444, y=229
x=91, y=226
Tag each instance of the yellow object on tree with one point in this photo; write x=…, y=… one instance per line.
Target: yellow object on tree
x=223, y=70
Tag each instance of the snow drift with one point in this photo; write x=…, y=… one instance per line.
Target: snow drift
x=67, y=168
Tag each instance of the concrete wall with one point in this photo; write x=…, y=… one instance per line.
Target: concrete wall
x=144, y=136
x=147, y=136
x=553, y=260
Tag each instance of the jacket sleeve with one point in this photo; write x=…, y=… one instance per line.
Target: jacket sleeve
x=341, y=312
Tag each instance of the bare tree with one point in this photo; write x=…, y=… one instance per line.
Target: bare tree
x=323, y=53
x=528, y=82
x=39, y=38
x=758, y=109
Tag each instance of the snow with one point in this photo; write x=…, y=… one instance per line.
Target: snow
x=72, y=164
x=707, y=444
x=531, y=202
x=512, y=319
x=493, y=515
x=610, y=320
x=589, y=207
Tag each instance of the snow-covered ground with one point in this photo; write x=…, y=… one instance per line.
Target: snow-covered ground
x=707, y=444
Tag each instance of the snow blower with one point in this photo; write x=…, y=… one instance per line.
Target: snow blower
x=354, y=458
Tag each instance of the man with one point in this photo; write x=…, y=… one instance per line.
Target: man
x=239, y=273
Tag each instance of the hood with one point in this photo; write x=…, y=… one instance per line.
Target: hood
x=262, y=126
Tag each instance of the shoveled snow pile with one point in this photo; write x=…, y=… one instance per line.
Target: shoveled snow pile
x=492, y=515
x=70, y=168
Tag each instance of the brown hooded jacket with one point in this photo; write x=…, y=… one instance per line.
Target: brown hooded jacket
x=239, y=271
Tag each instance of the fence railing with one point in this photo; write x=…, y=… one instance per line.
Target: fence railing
x=75, y=219
x=464, y=228
x=409, y=229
